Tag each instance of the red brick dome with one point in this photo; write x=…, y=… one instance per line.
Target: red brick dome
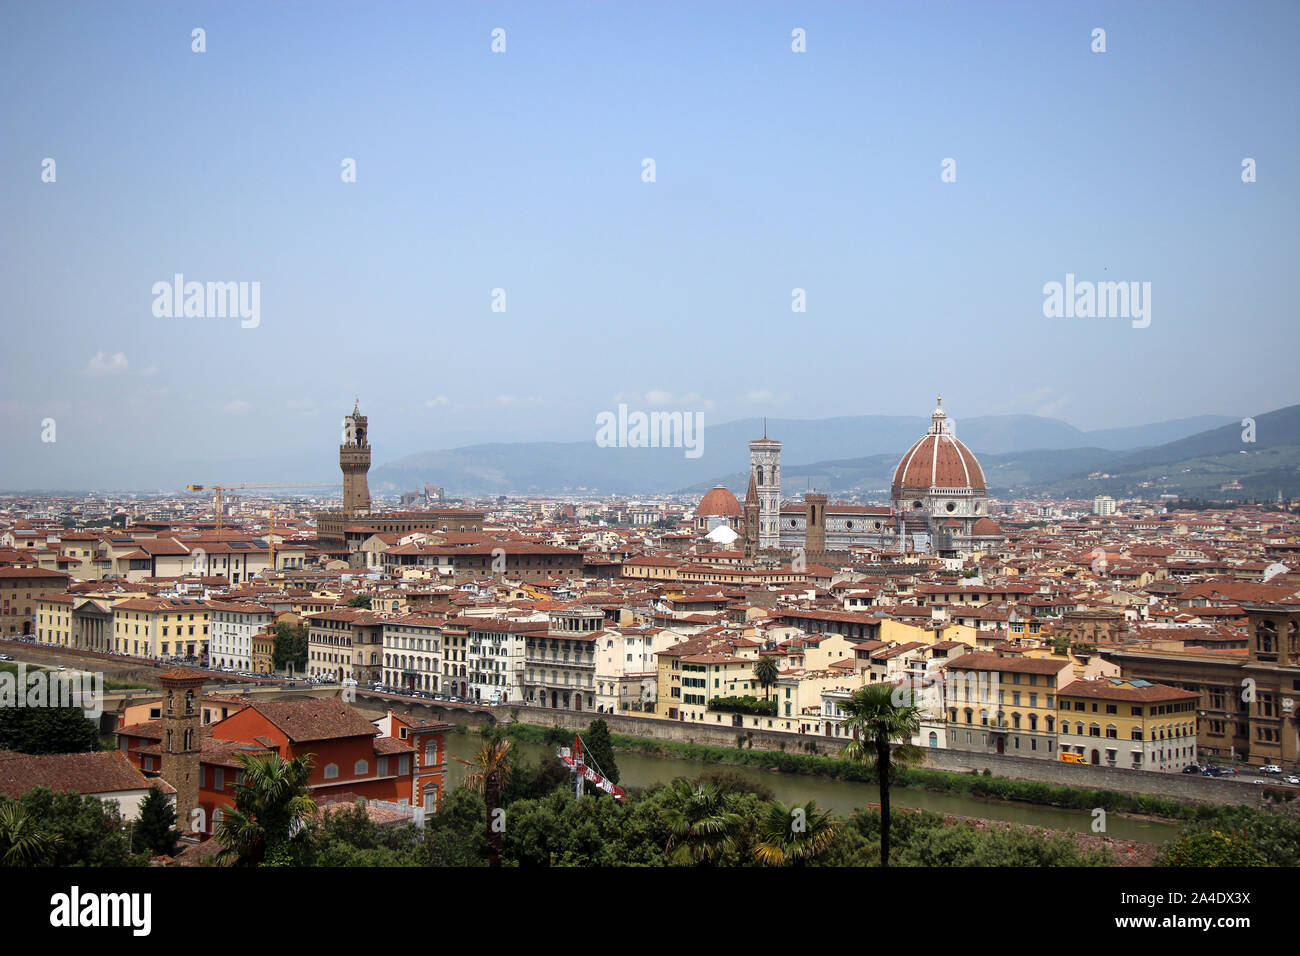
x=986, y=528
x=938, y=460
x=719, y=501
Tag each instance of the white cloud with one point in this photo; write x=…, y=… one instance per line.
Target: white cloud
x=237, y=407
x=696, y=402
x=658, y=397
x=151, y=370
x=517, y=399
x=438, y=400
x=759, y=396
x=106, y=363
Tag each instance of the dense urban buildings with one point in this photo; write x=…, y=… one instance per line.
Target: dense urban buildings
x=1116, y=636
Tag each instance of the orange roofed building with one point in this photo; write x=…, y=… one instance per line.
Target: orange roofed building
x=403, y=762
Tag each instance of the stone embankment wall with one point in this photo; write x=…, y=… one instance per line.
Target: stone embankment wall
x=1187, y=788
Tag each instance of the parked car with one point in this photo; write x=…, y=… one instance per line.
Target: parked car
x=5, y=657
x=1292, y=779
x=1192, y=768
x=1273, y=769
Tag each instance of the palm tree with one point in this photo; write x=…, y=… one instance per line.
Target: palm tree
x=766, y=673
x=702, y=822
x=24, y=841
x=794, y=834
x=491, y=769
x=876, y=721
x=272, y=808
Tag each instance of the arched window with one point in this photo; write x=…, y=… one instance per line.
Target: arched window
x=331, y=771
x=1033, y=721
x=361, y=768
x=1050, y=722
x=1266, y=636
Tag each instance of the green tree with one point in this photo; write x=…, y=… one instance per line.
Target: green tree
x=702, y=823
x=347, y=836
x=766, y=672
x=24, y=839
x=154, y=832
x=91, y=832
x=454, y=836
x=794, y=834
x=876, y=721
x=360, y=600
x=47, y=730
x=273, y=807
x=600, y=749
x=1212, y=848
x=489, y=770
x=290, y=646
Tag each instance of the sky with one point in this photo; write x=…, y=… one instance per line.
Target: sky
x=524, y=171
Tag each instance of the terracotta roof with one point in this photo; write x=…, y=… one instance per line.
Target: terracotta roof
x=312, y=719
x=984, y=661
x=106, y=771
x=1107, y=690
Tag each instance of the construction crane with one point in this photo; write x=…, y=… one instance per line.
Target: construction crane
x=584, y=769
x=220, y=490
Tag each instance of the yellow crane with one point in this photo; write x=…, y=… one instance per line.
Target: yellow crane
x=220, y=490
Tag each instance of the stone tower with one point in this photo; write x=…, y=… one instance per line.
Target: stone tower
x=751, y=520
x=354, y=459
x=765, y=467
x=814, y=541
x=181, y=746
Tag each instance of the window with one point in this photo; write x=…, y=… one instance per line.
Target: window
x=361, y=768
x=331, y=771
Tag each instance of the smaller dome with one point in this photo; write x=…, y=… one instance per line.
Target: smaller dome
x=719, y=501
x=722, y=535
x=986, y=528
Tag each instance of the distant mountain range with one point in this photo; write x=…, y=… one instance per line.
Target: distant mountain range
x=1019, y=453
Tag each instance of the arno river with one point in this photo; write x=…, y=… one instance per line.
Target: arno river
x=842, y=796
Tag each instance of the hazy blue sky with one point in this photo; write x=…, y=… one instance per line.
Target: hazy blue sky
x=522, y=171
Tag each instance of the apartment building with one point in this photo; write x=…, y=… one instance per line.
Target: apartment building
x=998, y=704
x=161, y=628
x=20, y=589
x=234, y=625
x=560, y=660
x=1123, y=723
x=412, y=649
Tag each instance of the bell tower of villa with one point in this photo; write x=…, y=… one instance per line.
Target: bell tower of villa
x=181, y=743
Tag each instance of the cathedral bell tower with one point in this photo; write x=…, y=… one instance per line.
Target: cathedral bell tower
x=765, y=469
x=354, y=460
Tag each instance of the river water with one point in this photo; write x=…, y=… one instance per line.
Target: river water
x=842, y=796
